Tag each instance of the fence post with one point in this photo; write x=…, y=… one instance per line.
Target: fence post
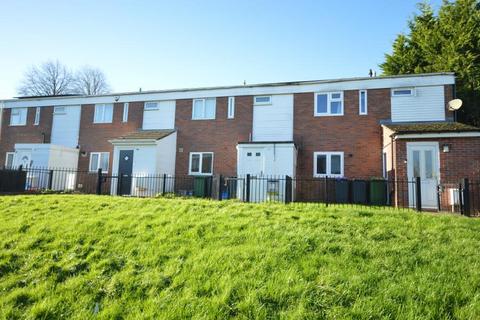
x=466, y=197
x=218, y=186
x=288, y=189
x=418, y=194
x=247, y=188
x=164, y=183
x=119, y=184
x=99, y=181
x=326, y=191
x=50, y=179
x=20, y=167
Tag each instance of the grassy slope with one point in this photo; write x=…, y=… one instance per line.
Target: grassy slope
x=76, y=256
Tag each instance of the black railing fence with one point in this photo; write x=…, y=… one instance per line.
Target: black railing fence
x=461, y=197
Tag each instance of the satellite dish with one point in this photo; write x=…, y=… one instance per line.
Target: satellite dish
x=454, y=104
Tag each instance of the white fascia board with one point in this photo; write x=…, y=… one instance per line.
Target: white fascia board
x=355, y=84
x=438, y=135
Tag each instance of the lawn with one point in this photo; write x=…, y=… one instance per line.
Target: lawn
x=84, y=257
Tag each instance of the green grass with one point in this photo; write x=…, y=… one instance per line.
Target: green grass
x=84, y=257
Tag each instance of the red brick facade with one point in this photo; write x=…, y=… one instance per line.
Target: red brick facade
x=358, y=136
x=219, y=136
x=28, y=133
x=94, y=137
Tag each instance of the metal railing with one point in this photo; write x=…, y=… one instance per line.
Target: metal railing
x=462, y=197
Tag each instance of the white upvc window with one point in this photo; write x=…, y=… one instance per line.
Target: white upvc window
x=261, y=100
x=150, y=106
x=103, y=113
x=36, y=121
x=9, y=160
x=59, y=110
x=328, y=164
x=18, y=116
x=362, y=102
x=203, y=109
x=231, y=108
x=125, y=112
x=99, y=160
x=329, y=104
x=200, y=163
x=403, y=92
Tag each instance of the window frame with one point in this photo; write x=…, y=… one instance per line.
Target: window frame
x=19, y=110
x=99, y=161
x=59, y=110
x=231, y=108
x=412, y=92
x=125, y=112
x=328, y=164
x=145, y=108
x=204, y=107
x=36, y=120
x=256, y=103
x=329, y=104
x=360, y=112
x=12, y=154
x=103, y=105
x=190, y=172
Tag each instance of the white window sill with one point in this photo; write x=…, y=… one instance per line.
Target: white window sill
x=328, y=114
x=102, y=122
x=203, y=119
x=200, y=174
x=328, y=176
x=17, y=125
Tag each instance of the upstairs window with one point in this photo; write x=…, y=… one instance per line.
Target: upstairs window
x=259, y=100
x=203, y=109
x=362, y=102
x=201, y=163
x=18, y=116
x=231, y=108
x=36, y=121
x=150, y=106
x=403, y=92
x=328, y=164
x=103, y=113
x=329, y=104
x=125, y=112
x=99, y=160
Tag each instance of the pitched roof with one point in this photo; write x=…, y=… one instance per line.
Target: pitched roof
x=146, y=135
x=431, y=127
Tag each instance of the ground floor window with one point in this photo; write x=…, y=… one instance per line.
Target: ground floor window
x=9, y=160
x=99, y=160
x=328, y=164
x=201, y=163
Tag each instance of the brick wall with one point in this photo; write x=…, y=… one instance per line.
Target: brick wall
x=358, y=136
x=449, y=95
x=219, y=136
x=24, y=134
x=94, y=137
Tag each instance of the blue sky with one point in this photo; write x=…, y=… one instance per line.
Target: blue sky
x=176, y=44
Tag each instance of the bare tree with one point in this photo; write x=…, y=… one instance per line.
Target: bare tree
x=49, y=79
x=91, y=81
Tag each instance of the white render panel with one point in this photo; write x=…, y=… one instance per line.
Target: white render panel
x=428, y=104
x=162, y=118
x=166, y=153
x=66, y=127
x=280, y=88
x=275, y=159
x=274, y=122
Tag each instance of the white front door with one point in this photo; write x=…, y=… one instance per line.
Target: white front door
x=23, y=158
x=254, y=161
x=423, y=162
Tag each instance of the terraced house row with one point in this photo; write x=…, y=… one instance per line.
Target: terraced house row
x=397, y=127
